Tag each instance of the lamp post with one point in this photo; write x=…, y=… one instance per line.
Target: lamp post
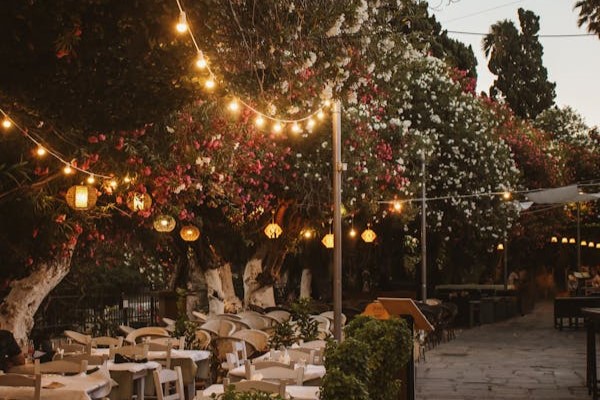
x=337, y=219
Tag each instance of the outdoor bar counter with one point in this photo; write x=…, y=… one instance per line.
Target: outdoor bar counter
x=592, y=322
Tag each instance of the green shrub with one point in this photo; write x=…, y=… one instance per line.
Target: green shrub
x=231, y=394
x=338, y=385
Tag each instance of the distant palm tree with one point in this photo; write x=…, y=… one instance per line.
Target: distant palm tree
x=589, y=14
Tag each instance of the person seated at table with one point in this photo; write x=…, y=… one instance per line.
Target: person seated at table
x=10, y=352
x=595, y=281
x=513, y=279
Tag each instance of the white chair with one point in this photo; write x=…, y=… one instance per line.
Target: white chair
x=78, y=337
x=275, y=372
x=60, y=367
x=258, y=339
x=126, y=329
x=19, y=380
x=165, y=380
x=324, y=322
x=237, y=357
x=138, y=351
x=255, y=322
x=170, y=324
x=257, y=386
x=224, y=345
x=202, y=339
x=218, y=327
x=279, y=315
x=107, y=341
x=200, y=317
x=329, y=316
x=149, y=331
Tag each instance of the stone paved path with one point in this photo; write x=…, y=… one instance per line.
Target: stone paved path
x=520, y=358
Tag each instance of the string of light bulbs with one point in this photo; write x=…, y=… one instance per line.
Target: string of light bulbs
x=202, y=63
x=42, y=150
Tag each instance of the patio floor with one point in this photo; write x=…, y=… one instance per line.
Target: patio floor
x=520, y=358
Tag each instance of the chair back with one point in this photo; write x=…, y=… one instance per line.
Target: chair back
x=77, y=337
x=329, y=316
x=259, y=340
x=136, y=351
x=219, y=327
x=126, y=329
x=324, y=322
x=202, y=339
x=275, y=372
x=201, y=317
x=257, y=386
x=168, y=384
x=34, y=381
x=149, y=331
x=89, y=358
x=280, y=315
x=224, y=345
x=238, y=355
x=60, y=367
x=256, y=322
x=107, y=341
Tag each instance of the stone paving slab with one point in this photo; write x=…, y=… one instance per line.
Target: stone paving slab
x=520, y=358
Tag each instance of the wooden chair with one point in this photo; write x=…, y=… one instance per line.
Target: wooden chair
x=275, y=372
x=149, y=331
x=78, y=337
x=329, y=316
x=107, y=341
x=279, y=315
x=202, y=339
x=163, y=382
x=126, y=329
x=89, y=358
x=256, y=386
x=60, y=367
x=161, y=343
x=219, y=327
x=256, y=340
x=34, y=381
x=200, y=317
x=224, y=345
x=256, y=322
x=324, y=322
x=137, y=351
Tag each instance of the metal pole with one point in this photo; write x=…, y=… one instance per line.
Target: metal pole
x=337, y=220
x=505, y=261
x=423, y=229
x=578, y=244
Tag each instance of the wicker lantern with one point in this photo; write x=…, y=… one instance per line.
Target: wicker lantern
x=164, y=223
x=273, y=230
x=189, y=233
x=80, y=197
x=368, y=235
x=328, y=241
x=139, y=201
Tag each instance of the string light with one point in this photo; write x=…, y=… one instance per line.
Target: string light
x=40, y=151
x=182, y=25
x=113, y=183
x=353, y=232
x=277, y=128
x=321, y=115
x=127, y=179
x=296, y=128
x=506, y=195
x=259, y=121
x=310, y=123
x=68, y=170
x=201, y=61
x=91, y=179
x=234, y=106
x=210, y=84
x=6, y=124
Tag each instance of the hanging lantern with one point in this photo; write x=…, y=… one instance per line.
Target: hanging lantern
x=139, y=201
x=500, y=246
x=584, y=243
x=80, y=197
x=328, y=241
x=598, y=245
x=564, y=240
x=591, y=244
x=164, y=223
x=273, y=230
x=554, y=239
x=368, y=235
x=189, y=233
x=572, y=241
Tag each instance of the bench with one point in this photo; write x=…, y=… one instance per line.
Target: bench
x=570, y=308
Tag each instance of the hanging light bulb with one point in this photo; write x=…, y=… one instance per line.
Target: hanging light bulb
x=554, y=239
x=40, y=151
x=278, y=127
x=310, y=124
x=591, y=244
x=127, y=179
x=397, y=205
x=296, y=128
x=210, y=83
x=201, y=61
x=598, y=245
x=572, y=241
x=6, y=123
x=321, y=114
x=327, y=103
x=564, y=240
x=182, y=25
x=259, y=121
x=500, y=246
x=113, y=183
x=234, y=106
x=584, y=243
x=307, y=234
x=352, y=232
x=67, y=170
x=91, y=179
x=506, y=195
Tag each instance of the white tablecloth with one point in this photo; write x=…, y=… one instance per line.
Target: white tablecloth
x=133, y=367
x=77, y=387
x=194, y=355
x=297, y=392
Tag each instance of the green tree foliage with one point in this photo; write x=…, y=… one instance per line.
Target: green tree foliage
x=589, y=14
x=516, y=59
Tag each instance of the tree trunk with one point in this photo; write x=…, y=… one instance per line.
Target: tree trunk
x=255, y=293
x=22, y=302
x=305, y=284
x=232, y=303
x=216, y=297
x=195, y=285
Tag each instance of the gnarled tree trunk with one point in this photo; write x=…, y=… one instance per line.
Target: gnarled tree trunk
x=22, y=302
x=305, y=284
x=255, y=292
x=232, y=303
x=216, y=297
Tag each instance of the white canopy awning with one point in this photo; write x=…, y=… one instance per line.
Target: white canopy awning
x=566, y=194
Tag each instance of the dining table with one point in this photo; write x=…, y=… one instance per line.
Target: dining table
x=294, y=391
x=61, y=387
x=130, y=378
x=313, y=374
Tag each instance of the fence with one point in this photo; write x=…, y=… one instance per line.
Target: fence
x=99, y=313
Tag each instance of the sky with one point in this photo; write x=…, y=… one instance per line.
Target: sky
x=572, y=62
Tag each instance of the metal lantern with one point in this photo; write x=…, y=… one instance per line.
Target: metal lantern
x=554, y=239
x=189, y=233
x=328, y=241
x=584, y=243
x=591, y=244
x=273, y=231
x=564, y=240
x=81, y=197
x=368, y=235
x=139, y=201
x=164, y=223
x=572, y=241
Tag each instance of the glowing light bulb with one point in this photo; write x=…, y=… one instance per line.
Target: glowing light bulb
x=259, y=121
x=353, y=233
x=68, y=170
x=113, y=184
x=506, y=195
x=91, y=179
x=6, y=123
x=127, y=179
x=233, y=106
x=296, y=128
x=182, y=25
x=201, y=61
x=40, y=151
x=307, y=234
x=327, y=103
x=210, y=83
x=321, y=114
x=397, y=206
x=277, y=128
x=310, y=123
